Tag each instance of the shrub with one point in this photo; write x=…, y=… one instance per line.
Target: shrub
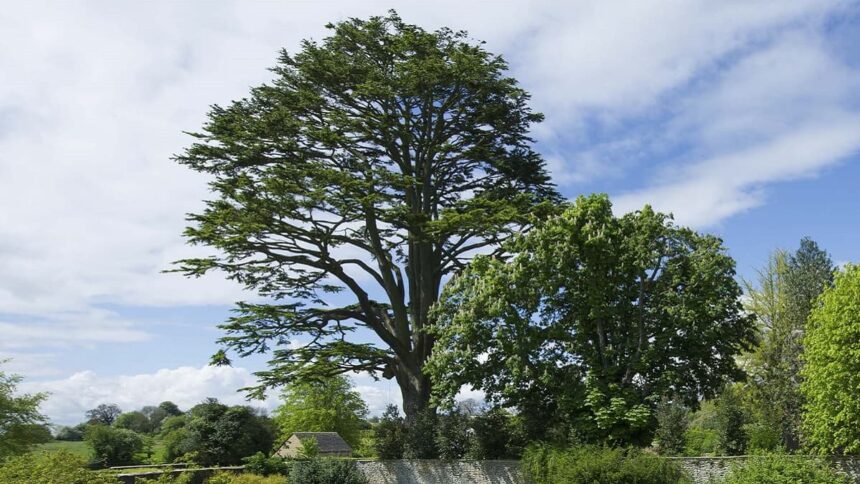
x=244, y=478
x=730, y=422
x=389, y=434
x=113, y=446
x=260, y=464
x=700, y=441
x=419, y=442
x=784, y=469
x=498, y=435
x=50, y=468
x=672, y=422
x=588, y=464
x=326, y=471
x=453, y=438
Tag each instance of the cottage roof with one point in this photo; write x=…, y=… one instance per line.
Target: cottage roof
x=327, y=441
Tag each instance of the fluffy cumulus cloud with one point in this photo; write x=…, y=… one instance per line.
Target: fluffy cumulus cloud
x=69, y=398
x=713, y=101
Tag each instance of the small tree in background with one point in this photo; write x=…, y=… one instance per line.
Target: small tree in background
x=309, y=448
x=135, y=421
x=113, y=446
x=730, y=422
x=390, y=434
x=453, y=435
x=832, y=370
x=673, y=420
x=782, y=299
x=104, y=414
x=327, y=405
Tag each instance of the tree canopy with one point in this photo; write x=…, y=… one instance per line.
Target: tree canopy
x=592, y=320
x=374, y=165
x=832, y=367
x=105, y=414
x=212, y=433
x=782, y=299
x=20, y=419
x=329, y=405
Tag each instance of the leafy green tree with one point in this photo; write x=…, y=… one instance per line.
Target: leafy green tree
x=374, y=165
x=730, y=422
x=18, y=415
x=170, y=408
x=591, y=320
x=787, y=289
x=453, y=436
x=104, y=414
x=113, y=446
x=212, y=433
x=497, y=435
x=135, y=421
x=328, y=405
x=673, y=420
x=390, y=434
x=831, y=374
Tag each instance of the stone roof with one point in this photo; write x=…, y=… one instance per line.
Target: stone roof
x=327, y=441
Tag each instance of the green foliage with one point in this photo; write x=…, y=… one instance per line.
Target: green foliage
x=367, y=445
x=19, y=418
x=136, y=421
x=832, y=370
x=325, y=471
x=245, y=478
x=497, y=435
x=586, y=465
x=264, y=465
x=419, y=441
x=104, y=414
x=591, y=320
x=386, y=151
x=453, y=437
x=783, y=469
x=730, y=422
x=309, y=448
x=327, y=405
x=673, y=421
x=786, y=290
x=214, y=434
x=390, y=434
x=71, y=434
x=113, y=446
x=50, y=468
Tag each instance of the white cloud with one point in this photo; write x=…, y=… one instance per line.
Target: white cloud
x=760, y=123
x=71, y=397
x=187, y=386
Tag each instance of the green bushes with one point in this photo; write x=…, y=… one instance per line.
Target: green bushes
x=549, y=465
x=50, y=468
x=113, y=446
x=325, y=471
x=783, y=469
x=231, y=478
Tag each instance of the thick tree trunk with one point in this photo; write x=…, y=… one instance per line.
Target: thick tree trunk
x=415, y=389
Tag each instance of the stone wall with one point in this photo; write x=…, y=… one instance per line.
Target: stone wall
x=442, y=472
x=702, y=469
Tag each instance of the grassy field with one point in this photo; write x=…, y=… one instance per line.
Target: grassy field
x=77, y=448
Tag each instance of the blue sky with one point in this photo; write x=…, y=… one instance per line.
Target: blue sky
x=740, y=117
